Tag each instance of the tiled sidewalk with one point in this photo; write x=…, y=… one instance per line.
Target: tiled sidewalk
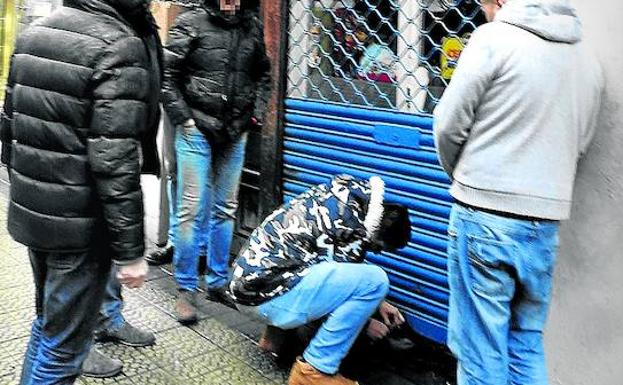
x=219, y=350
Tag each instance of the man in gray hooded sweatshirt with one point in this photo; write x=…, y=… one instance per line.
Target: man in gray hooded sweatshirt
x=519, y=113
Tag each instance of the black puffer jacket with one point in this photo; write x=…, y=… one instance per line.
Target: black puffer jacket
x=80, y=99
x=216, y=71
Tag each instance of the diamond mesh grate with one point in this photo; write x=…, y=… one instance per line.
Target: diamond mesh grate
x=396, y=54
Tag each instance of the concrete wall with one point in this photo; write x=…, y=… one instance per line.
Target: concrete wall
x=585, y=331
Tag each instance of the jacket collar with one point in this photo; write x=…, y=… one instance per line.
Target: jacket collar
x=134, y=13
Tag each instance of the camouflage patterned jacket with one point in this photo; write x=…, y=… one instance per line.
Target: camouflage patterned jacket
x=328, y=222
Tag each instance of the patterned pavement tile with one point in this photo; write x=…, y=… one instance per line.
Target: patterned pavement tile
x=176, y=346
x=155, y=273
x=153, y=293
x=236, y=375
x=205, y=309
x=134, y=361
x=11, y=356
x=157, y=377
x=218, y=333
x=250, y=353
x=120, y=379
x=16, y=299
x=251, y=329
x=201, y=365
x=10, y=379
x=150, y=317
x=12, y=329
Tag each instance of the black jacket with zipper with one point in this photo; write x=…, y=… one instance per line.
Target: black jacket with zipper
x=216, y=71
x=82, y=96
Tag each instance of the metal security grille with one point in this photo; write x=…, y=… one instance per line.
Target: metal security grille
x=396, y=54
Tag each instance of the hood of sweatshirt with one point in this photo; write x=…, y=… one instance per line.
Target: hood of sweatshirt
x=554, y=20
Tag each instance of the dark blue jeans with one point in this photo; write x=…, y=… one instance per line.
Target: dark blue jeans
x=110, y=312
x=69, y=291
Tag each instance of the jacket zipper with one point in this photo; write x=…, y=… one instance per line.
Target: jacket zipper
x=232, y=64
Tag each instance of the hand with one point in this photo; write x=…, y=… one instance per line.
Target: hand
x=376, y=330
x=190, y=123
x=133, y=276
x=391, y=315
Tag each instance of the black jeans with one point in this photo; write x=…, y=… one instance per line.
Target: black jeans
x=69, y=293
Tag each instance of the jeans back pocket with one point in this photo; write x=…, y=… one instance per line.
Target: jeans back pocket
x=488, y=269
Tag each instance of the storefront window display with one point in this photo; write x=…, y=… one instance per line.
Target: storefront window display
x=396, y=54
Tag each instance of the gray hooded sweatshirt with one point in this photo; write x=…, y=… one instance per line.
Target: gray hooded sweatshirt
x=520, y=111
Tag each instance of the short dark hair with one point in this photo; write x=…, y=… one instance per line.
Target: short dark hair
x=395, y=229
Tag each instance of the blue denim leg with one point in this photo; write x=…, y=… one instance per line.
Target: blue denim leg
x=172, y=192
x=500, y=282
x=110, y=312
x=194, y=166
x=32, y=348
x=69, y=291
x=227, y=170
x=348, y=293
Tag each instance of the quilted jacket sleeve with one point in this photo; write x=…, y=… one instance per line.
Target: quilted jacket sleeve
x=6, y=117
x=181, y=36
x=261, y=75
x=121, y=84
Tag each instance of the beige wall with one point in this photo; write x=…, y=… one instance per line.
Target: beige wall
x=585, y=331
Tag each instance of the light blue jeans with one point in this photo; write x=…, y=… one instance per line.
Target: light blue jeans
x=207, y=200
x=348, y=293
x=500, y=272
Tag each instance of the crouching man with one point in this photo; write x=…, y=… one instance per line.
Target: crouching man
x=304, y=263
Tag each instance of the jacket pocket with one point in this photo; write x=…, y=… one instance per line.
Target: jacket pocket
x=206, y=95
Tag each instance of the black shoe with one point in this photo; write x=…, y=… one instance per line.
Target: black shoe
x=100, y=366
x=220, y=295
x=160, y=256
x=126, y=335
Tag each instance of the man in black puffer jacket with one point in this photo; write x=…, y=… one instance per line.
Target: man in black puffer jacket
x=82, y=95
x=216, y=88
x=217, y=72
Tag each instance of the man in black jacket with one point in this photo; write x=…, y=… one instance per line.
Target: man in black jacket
x=82, y=95
x=216, y=87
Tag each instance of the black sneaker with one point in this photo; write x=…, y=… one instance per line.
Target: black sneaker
x=220, y=295
x=98, y=365
x=126, y=335
x=160, y=256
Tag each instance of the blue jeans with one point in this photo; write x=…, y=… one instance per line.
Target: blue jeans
x=349, y=293
x=207, y=200
x=500, y=273
x=68, y=292
x=110, y=312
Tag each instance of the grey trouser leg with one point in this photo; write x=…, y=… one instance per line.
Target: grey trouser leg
x=168, y=176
